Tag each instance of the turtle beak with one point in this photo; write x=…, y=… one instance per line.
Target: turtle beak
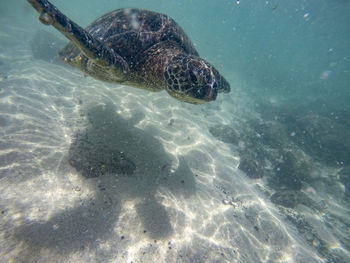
x=212, y=91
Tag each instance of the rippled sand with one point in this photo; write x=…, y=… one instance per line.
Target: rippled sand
x=178, y=198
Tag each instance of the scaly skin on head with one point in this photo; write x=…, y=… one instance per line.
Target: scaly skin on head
x=185, y=77
x=192, y=79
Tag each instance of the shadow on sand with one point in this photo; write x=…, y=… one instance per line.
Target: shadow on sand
x=122, y=163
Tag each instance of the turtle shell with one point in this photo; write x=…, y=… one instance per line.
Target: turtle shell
x=130, y=32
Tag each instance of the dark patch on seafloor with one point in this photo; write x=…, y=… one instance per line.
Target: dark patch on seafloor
x=288, y=142
x=344, y=175
x=225, y=133
x=291, y=198
x=267, y=151
x=97, y=152
x=94, y=156
x=320, y=132
x=284, y=147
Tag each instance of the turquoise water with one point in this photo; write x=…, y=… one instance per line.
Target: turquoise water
x=102, y=172
x=283, y=46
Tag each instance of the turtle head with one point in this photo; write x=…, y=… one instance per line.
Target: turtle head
x=192, y=79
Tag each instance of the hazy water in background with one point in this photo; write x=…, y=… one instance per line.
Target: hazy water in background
x=289, y=62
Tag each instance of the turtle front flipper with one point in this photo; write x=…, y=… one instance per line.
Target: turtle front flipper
x=91, y=47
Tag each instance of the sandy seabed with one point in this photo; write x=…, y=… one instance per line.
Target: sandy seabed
x=175, y=195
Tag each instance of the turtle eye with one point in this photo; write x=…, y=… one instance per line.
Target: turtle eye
x=193, y=77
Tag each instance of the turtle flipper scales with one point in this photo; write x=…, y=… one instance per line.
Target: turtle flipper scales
x=91, y=47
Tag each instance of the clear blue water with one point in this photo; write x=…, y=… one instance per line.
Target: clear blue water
x=96, y=172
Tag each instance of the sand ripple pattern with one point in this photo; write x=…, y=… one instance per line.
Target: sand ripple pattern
x=165, y=190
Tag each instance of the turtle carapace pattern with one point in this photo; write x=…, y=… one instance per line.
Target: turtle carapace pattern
x=137, y=47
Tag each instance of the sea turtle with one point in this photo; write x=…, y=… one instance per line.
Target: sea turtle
x=137, y=47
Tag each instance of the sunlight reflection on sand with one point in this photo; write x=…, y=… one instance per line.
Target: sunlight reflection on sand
x=186, y=201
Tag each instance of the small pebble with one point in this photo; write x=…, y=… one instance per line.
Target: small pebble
x=226, y=202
